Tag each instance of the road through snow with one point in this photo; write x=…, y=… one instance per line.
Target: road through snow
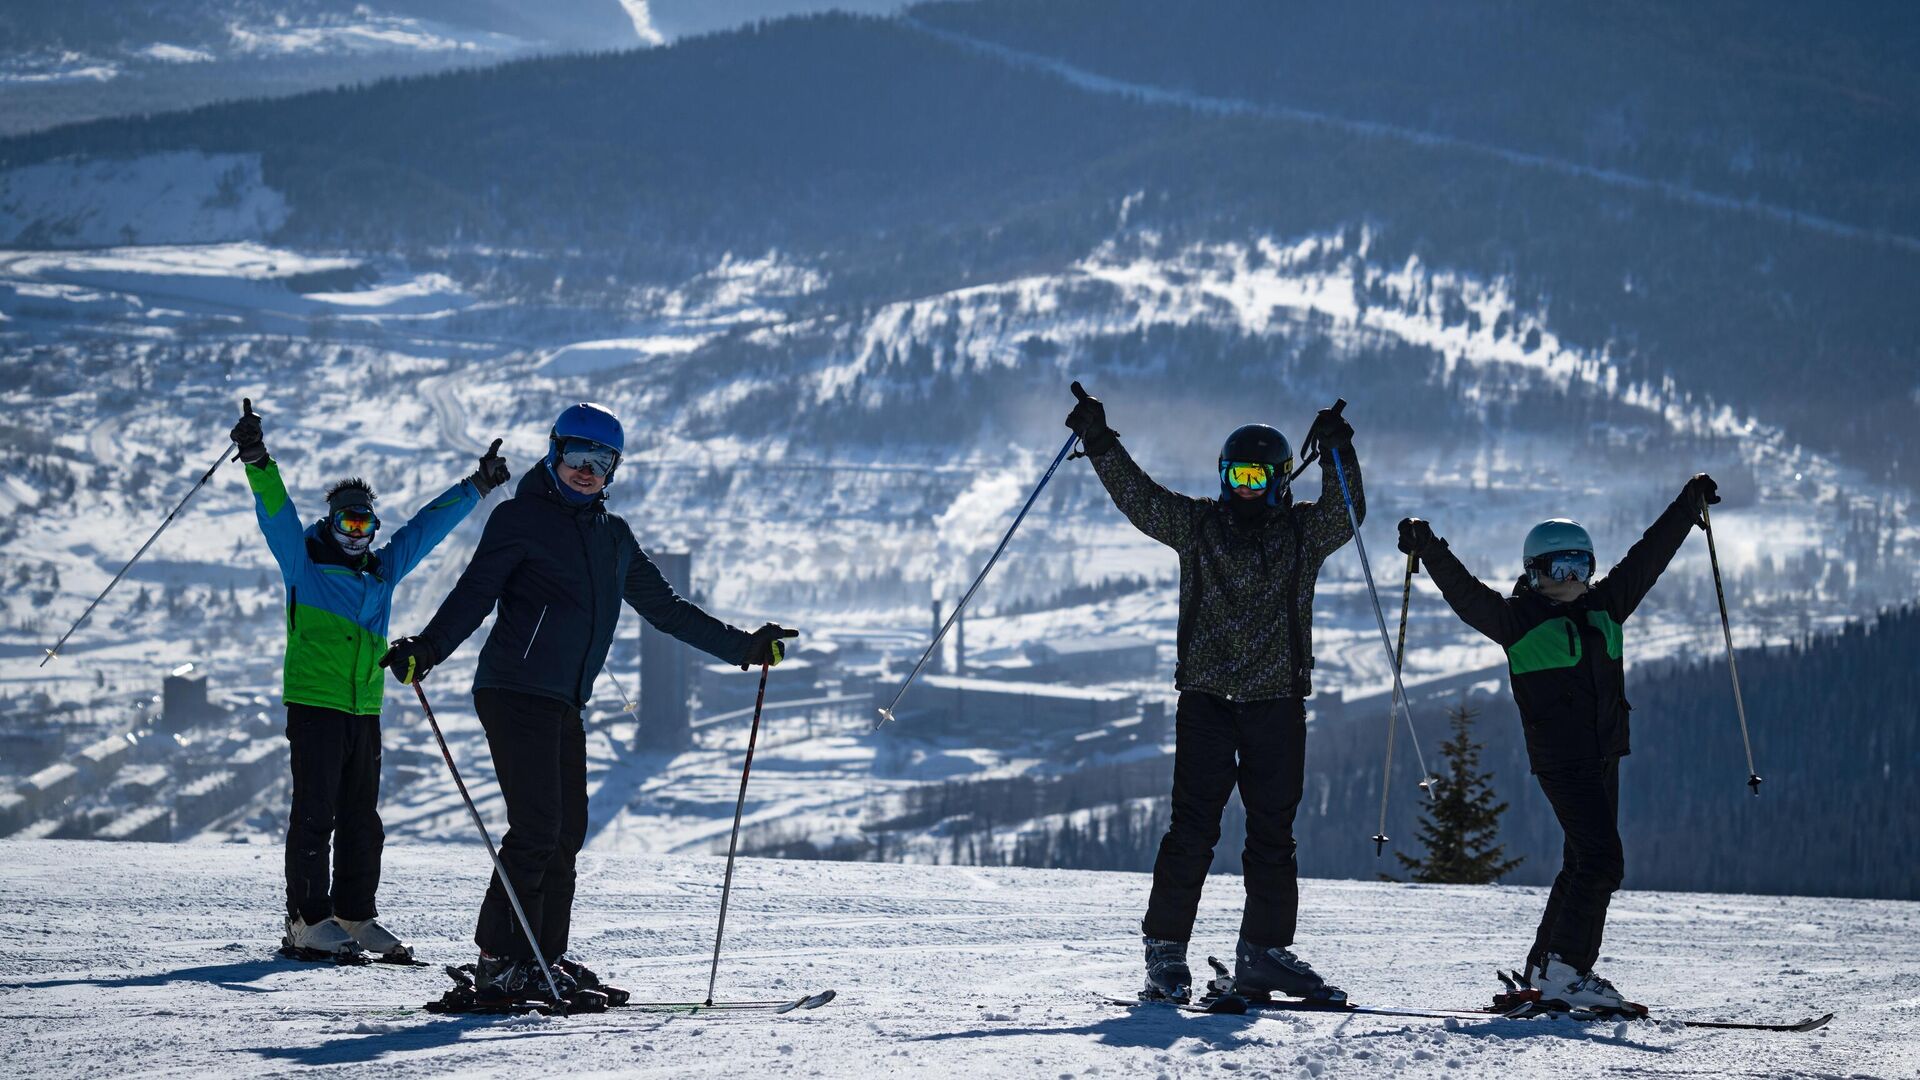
x=157, y=960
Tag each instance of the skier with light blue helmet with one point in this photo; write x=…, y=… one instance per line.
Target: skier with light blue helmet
x=1562, y=633
x=556, y=565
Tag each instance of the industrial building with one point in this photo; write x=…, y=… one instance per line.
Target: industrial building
x=989, y=711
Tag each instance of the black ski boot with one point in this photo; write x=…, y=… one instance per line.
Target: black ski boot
x=1259, y=972
x=583, y=977
x=1168, y=978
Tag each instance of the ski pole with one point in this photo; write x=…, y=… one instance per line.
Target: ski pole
x=1380, y=838
x=886, y=714
x=739, y=808
x=1733, y=668
x=204, y=477
x=505, y=882
x=1399, y=691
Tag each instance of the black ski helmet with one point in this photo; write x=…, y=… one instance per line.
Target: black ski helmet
x=1263, y=445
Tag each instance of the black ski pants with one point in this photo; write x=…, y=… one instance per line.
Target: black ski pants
x=1260, y=746
x=336, y=802
x=1586, y=799
x=539, y=748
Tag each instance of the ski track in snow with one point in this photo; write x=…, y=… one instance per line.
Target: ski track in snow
x=149, y=960
x=1151, y=94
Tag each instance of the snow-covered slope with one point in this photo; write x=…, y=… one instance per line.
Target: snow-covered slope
x=148, y=960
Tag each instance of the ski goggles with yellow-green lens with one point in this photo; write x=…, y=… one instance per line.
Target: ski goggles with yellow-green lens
x=1253, y=475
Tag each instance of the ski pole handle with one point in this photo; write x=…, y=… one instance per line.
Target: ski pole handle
x=1339, y=406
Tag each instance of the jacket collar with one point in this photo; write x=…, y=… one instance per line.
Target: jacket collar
x=537, y=483
x=321, y=549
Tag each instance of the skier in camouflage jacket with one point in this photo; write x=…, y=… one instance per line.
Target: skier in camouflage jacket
x=1248, y=561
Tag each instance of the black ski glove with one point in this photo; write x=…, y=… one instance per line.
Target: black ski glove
x=492, y=471
x=1089, y=421
x=1329, y=429
x=246, y=435
x=1416, y=536
x=765, y=648
x=410, y=658
x=1700, y=493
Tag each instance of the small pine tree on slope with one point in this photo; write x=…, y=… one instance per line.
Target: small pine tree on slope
x=1460, y=828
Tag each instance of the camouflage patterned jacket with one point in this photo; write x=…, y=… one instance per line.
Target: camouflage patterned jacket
x=1246, y=588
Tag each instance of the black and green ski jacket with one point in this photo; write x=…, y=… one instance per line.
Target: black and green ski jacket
x=1564, y=660
x=1246, y=585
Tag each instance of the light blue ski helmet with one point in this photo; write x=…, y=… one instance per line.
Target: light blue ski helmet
x=1556, y=534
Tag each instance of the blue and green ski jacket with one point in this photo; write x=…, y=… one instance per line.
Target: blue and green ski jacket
x=337, y=613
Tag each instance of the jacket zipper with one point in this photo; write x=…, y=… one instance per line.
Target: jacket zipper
x=293, y=601
x=593, y=608
x=1570, y=637
x=531, y=638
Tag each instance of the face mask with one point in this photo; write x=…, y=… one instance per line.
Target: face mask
x=352, y=545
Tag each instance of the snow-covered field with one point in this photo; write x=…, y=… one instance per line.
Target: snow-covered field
x=149, y=960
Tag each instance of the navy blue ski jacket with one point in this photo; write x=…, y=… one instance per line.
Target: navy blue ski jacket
x=558, y=573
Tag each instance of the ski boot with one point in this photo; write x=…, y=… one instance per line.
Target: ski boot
x=583, y=977
x=377, y=939
x=1584, y=994
x=1259, y=972
x=1168, y=978
x=324, y=940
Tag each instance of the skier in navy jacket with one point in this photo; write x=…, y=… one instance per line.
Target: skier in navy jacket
x=557, y=565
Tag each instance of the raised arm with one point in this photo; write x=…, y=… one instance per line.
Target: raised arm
x=1324, y=520
x=279, y=521
x=1632, y=578
x=1477, y=605
x=1165, y=515
x=649, y=593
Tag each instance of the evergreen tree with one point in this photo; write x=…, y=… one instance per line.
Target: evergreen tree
x=1460, y=828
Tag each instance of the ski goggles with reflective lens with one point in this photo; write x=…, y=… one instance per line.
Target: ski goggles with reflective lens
x=356, y=522
x=589, y=455
x=1246, y=474
x=1565, y=565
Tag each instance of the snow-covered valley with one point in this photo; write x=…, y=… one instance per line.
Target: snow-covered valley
x=940, y=971
x=367, y=365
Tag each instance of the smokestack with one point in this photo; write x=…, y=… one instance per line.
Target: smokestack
x=939, y=658
x=960, y=644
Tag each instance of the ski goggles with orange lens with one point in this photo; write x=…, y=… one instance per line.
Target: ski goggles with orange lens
x=590, y=455
x=356, y=522
x=1253, y=475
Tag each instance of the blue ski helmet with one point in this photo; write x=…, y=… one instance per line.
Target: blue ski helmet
x=593, y=423
x=1260, y=445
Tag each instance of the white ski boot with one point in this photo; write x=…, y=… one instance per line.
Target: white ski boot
x=1578, y=991
x=320, y=940
x=377, y=939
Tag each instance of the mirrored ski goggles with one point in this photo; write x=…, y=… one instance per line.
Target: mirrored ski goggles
x=1246, y=474
x=1566, y=565
x=585, y=454
x=352, y=522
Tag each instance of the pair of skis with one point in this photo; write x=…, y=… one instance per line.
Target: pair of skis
x=1519, y=1002
x=468, y=998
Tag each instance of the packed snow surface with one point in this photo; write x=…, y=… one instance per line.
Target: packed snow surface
x=137, y=959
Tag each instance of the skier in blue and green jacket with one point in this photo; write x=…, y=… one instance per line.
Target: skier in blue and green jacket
x=339, y=599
